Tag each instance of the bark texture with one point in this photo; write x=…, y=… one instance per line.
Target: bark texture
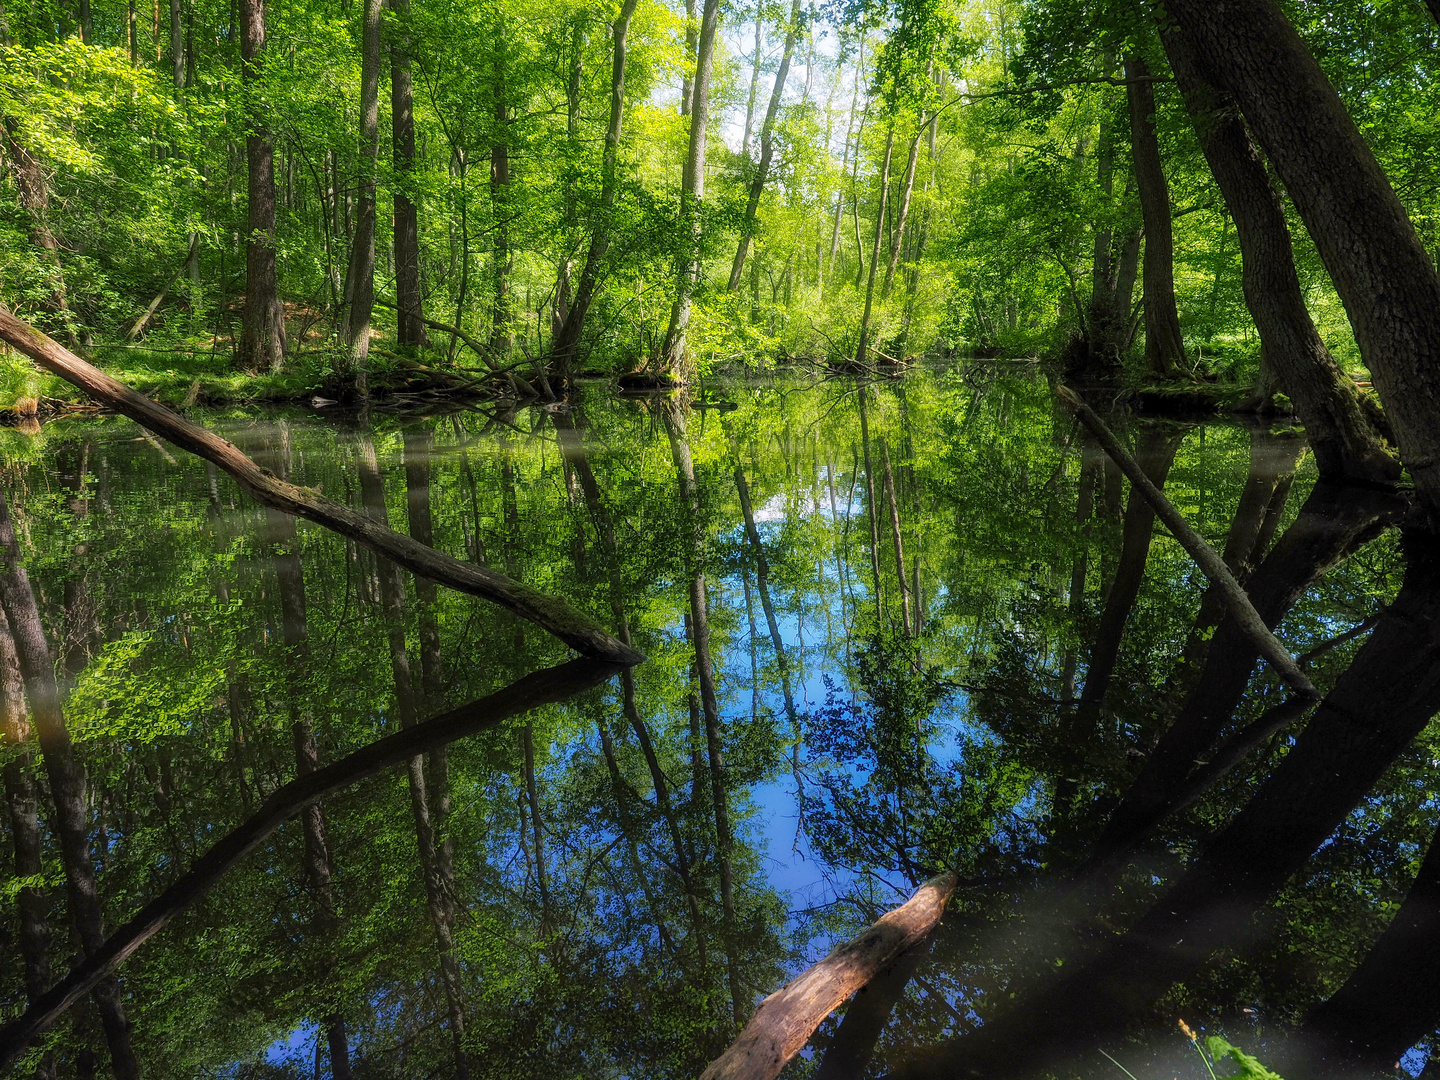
x=692, y=194
x=262, y=341
x=410, y=309
x=1380, y=268
x=361, y=278
x=785, y=1020
x=1345, y=440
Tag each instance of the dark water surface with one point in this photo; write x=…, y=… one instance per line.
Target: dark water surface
x=942, y=634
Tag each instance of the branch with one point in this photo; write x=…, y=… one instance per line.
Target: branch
x=538, y=688
x=1209, y=561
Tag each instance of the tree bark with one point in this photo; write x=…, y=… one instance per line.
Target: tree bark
x=1164, y=346
x=907, y=188
x=262, y=340
x=785, y=1020
x=863, y=345
x=67, y=786
x=1377, y=707
x=410, y=309
x=1380, y=268
x=361, y=277
x=692, y=195
x=767, y=142
x=1345, y=440
x=1392, y=1000
x=546, y=612
x=566, y=341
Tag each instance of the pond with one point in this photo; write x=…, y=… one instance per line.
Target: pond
x=891, y=629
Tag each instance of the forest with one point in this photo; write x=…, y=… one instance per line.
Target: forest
x=828, y=539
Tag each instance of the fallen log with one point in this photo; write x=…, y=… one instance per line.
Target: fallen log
x=1208, y=559
x=546, y=687
x=548, y=612
x=785, y=1020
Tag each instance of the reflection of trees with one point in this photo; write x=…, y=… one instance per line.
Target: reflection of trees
x=903, y=771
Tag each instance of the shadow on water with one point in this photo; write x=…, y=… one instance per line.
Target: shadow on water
x=893, y=629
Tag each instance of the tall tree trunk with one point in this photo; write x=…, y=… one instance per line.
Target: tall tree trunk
x=907, y=187
x=705, y=672
x=22, y=797
x=262, y=340
x=410, y=311
x=1380, y=268
x=767, y=142
x=34, y=192
x=863, y=345
x=1344, y=438
x=568, y=431
x=692, y=37
x=1392, y=1000
x=566, y=340
x=1375, y=710
x=362, y=252
x=692, y=195
x=67, y=785
x=872, y=509
x=177, y=43
x=392, y=598
x=754, y=78
x=503, y=316
x=895, y=536
x=1164, y=345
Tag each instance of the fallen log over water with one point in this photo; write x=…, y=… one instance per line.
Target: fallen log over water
x=785, y=1020
x=538, y=688
x=548, y=612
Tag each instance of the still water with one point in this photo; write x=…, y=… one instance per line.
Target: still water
x=942, y=635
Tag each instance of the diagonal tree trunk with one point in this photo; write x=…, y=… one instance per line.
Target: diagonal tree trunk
x=1380, y=268
x=1346, y=442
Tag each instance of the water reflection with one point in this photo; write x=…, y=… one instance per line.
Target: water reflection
x=891, y=629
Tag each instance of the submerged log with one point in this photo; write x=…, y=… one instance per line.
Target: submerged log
x=548, y=612
x=539, y=688
x=786, y=1019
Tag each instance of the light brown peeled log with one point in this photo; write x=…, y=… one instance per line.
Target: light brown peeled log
x=269, y=490
x=786, y=1019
